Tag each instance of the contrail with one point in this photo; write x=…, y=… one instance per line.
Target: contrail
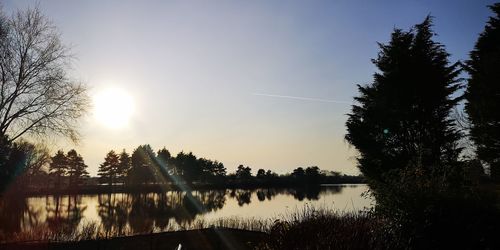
x=302, y=98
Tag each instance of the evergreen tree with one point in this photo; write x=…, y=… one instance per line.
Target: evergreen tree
x=125, y=163
x=401, y=126
x=77, y=169
x=188, y=166
x=108, y=170
x=164, y=154
x=483, y=94
x=164, y=162
x=143, y=165
x=58, y=168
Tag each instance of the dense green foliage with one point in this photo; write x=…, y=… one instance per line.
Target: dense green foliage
x=483, y=94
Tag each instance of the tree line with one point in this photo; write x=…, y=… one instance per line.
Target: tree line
x=144, y=167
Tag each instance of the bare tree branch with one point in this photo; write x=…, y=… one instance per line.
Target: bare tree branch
x=36, y=95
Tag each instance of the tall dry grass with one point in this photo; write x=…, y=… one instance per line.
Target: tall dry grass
x=96, y=231
x=313, y=228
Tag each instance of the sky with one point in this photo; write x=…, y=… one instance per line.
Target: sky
x=262, y=83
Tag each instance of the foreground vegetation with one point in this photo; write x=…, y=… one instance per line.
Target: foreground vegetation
x=207, y=238
x=302, y=229
x=309, y=228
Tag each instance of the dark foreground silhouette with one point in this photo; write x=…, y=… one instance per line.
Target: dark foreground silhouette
x=210, y=238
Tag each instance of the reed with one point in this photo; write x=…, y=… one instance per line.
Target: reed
x=320, y=228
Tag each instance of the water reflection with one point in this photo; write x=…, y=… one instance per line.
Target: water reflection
x=137, y=213
x=64, y=213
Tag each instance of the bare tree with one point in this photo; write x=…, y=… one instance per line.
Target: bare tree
x=37, y=96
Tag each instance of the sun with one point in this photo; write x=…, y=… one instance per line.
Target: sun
x=113, y=107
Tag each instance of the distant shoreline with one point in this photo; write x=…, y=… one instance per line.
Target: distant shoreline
x=161, y=188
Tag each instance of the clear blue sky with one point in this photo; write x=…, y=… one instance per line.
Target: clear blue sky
x=195, y=70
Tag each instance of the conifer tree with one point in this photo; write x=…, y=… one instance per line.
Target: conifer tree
x=164, y=163
x=483, y=94
x=143, y=168
x=109, y=168
x=401, y=125
x=77, y=169
x=58, y=168
x=125, y=163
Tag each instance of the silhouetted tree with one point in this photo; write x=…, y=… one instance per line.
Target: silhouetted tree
x=298, y=173
x=483, y=94
x=143, y=165
x=77, y=170
x=189, y=166
x=217, y=169
x=243, y=172
x=164, y=161
x=143, y=155
x=21, y=162
x=37, y=158
x=125, y=163
x=108, y=170
x=402, y=129
x=312, y=174
x=402, y=120
x=164, y=154
x=58, y=168
x=261, y=173
x=37, y=95
x=271, y=174
x=212, y=171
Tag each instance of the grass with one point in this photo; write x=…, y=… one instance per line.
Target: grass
x=306, y=228
x=95, y=231
x=311, y=228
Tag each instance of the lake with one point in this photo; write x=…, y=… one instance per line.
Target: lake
x=136, y=213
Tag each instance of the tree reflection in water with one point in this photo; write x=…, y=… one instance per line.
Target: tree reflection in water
x=133, y=213
x=12, y=211
x=64, y=213
x=242, y=196
x=113, y=211
x=145, y=212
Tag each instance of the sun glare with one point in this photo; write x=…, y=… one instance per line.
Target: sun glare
x=113, y=107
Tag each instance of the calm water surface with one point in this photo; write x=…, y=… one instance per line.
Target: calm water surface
x=165, y=211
